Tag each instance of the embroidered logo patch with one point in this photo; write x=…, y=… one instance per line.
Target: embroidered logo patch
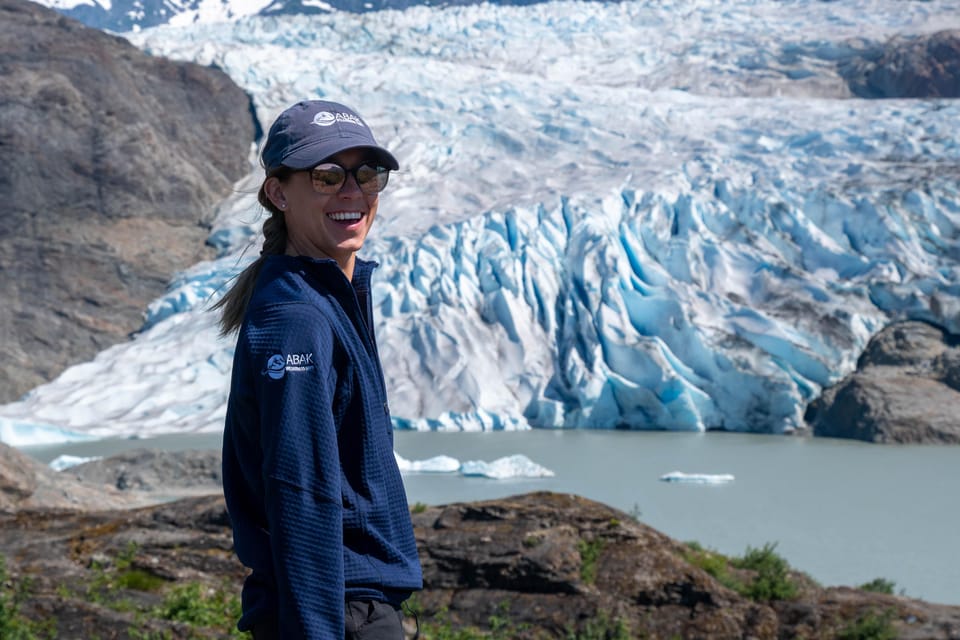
x=279, y=364
x=326, y=118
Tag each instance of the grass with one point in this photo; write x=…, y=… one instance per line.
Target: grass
x=590, y=551
x=602, y=628
x=202, y=608
x=13, y=625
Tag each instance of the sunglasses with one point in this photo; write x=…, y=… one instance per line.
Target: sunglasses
x=328, y=178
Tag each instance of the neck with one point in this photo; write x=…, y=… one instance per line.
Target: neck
x=345, y=262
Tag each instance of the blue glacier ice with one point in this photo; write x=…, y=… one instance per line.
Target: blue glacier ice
x=639, y=215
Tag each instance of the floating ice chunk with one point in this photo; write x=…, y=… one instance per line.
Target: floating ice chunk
x=66, y=461
x=515, y=466
x=436, y=464
x=697, y=478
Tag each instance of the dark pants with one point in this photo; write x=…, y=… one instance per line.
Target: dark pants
x=364, y=620
x=372, y=621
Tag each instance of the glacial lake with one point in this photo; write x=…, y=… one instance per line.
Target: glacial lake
x=844, y=512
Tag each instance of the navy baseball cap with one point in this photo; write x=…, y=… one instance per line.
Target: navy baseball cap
x=311, y=131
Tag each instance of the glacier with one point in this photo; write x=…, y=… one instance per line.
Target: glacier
x=637, y=215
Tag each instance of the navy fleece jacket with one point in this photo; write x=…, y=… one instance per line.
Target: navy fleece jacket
x=315, y=497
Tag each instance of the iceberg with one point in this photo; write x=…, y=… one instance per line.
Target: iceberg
x=436, y=464
x=515, y=466
x=697, y=478
x=65, y=461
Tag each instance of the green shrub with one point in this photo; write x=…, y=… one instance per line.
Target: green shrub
x=879, y=585
x=870, y=626
x=716, y=564
x=772, y=580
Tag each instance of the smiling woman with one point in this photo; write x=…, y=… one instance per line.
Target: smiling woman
x=316, y=501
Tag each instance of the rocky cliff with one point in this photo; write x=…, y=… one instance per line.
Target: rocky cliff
x=110, y=161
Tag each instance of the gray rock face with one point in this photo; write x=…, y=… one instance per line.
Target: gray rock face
x=906, y=390
x=925, y=67
x=109, y=162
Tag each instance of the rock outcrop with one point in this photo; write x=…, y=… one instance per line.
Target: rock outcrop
x=906, y=389
x=541, y=565
x=133, y=479
x=28, y=484
x=110, y=160
x=921, y=67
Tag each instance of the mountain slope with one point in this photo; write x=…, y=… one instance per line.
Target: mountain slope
x=110, y=160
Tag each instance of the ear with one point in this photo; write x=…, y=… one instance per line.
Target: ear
x=273, y=188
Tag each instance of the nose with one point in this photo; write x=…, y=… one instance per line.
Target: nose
x=350, y=186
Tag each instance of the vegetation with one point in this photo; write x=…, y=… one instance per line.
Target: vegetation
x=501, y=627
x=602, y=628
x=770, y=578
x=201, y=606
x=870, y=626
x=879, y=585
x=441, y=628
x=590, y=551
x=419, y=507
x=206, y=611
x=716, y=564
x=13, y=625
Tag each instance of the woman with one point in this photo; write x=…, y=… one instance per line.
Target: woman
x=315, y=497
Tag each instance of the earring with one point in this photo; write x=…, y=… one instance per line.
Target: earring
x=283, y=205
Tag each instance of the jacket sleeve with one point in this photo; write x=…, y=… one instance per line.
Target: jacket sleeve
x=301, y=470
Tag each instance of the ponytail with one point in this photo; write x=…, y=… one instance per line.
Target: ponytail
x=235, y=301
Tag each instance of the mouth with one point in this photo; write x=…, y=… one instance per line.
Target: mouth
x=346, y=218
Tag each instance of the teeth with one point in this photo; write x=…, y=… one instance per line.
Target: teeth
x=345, y=216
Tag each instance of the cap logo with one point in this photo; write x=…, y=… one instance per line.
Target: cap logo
x=327, y=118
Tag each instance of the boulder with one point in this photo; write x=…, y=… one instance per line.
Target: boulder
x=906, y=389
x=110, y=162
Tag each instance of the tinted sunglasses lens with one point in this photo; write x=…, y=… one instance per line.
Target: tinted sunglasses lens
x=328, y=178
x=371, y=179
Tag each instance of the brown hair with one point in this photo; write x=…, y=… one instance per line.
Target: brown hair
x=235, y=301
